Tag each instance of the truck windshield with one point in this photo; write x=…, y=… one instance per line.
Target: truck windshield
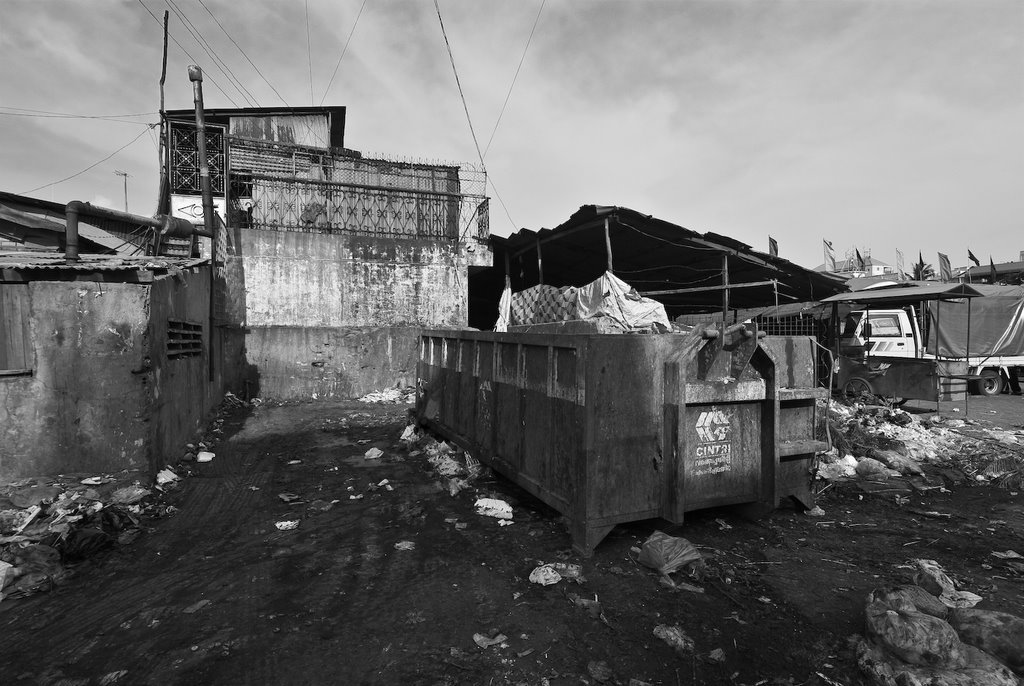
x=884, y=325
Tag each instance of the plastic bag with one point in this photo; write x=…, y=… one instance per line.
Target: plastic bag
x=979, y=669
x=922, y=600
x=997, y=633
x=913, y=636
x=668, y=554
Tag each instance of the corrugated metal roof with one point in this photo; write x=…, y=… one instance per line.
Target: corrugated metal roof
x=94, y=263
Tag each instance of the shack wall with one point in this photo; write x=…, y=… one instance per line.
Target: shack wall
x=84, y=408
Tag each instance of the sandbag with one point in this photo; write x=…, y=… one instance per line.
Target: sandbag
x=922, y=600
x=980, y=669
x=999, y=634
x=913, y=636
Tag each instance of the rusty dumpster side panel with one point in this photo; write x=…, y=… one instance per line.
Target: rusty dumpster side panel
x=615, y=428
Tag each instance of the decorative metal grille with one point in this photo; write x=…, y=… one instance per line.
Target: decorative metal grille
x=185, y=158
x=296, y=188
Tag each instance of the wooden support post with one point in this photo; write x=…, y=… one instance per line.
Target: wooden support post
x=725, y=288
x=608, y=243
x=540, y=262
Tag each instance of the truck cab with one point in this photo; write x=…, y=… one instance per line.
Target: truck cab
x=892, y=333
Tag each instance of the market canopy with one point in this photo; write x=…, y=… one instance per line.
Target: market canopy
x=686, y=270
x=900, y=295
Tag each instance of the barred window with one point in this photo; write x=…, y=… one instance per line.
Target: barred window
x=184, y=339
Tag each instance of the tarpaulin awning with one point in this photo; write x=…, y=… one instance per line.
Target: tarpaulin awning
x=906, y=294
x=681, y=268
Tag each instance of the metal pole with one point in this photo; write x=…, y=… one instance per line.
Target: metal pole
x=967, y=370
x=162, y=205
x=195, y=75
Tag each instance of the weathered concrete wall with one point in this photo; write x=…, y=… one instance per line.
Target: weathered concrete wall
x=183, y=396
x=104, y=396
x=288, y=278
x=85, y=407
x=292, y=363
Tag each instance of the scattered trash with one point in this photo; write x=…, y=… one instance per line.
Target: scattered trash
x=129, y=495
x=545, y=575
x=1008, y=555
x=166, y=476
x=204, y=456
x=95, y=481
x=668, y=554
x=488, y=641
x=409, y=435
x=717, y=655
x=112, y=677
x=723, y=525
x=288, y=497
x=373, y=454
x=999, y=634
x=593, y=607
x=395, y=396
x=676, y=638
x=933, y=579
x=492, y=507
x=195, y=607
x=287, y=524
x=319, y=505
x=815, y=512
x=405, y=545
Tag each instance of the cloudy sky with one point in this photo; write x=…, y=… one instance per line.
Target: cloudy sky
x=880, y=125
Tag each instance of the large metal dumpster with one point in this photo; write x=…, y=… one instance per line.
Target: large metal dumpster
x=616, y=428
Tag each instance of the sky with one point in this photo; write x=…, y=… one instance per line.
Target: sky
x=879, y=125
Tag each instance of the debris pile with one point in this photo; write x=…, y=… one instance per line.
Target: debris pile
x=391, y=396
x=873, y=442
x=456, y=467
x=48, y=525
x=928, y=633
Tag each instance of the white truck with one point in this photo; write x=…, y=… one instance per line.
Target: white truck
x=997, y=328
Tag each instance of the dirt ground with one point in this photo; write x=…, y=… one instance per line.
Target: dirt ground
x=216, y=594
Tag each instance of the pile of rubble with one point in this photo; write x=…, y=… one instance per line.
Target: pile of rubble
x=49, y=525
x=874, y=442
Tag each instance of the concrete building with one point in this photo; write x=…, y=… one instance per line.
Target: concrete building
x=332, y=260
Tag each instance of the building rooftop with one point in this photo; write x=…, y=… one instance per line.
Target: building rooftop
x=38, y=266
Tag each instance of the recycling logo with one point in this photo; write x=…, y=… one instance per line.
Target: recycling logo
x=712, y=426
x=713, y=453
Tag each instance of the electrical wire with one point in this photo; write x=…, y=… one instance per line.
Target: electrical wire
x=60, y=116
x=189, y=55
x=197, y=36
x=459, y=84
x=68, y=178
x=343, y=51
x=309, y=56
x=79, y=116
x=514, y=77
x=251, y=63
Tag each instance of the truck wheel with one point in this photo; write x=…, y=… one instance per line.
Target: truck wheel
x=991, y=382
x=857, y=387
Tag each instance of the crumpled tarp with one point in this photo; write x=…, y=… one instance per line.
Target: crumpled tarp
x=608, y=297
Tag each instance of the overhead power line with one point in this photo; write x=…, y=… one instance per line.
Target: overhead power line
x=458, y=83
x=212, y=81
x=197, y=36
x=72, y=116
x=309, y=56
x=343, y=51
x=68, y=178
x=235, y=43
x=514, y=77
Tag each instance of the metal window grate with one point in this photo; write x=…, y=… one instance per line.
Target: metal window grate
x=184, y=339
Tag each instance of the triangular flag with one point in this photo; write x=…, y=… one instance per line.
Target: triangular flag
x=773, y=247
x=992, y=276
x=860, y=261
x=972, y=258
